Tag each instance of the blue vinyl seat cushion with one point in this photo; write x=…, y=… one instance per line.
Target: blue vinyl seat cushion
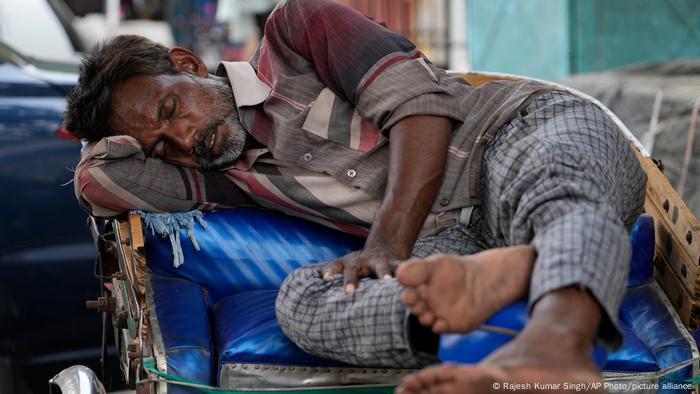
x=642, y=240
x=633, y=355
x=248, y=249
x=478, y=344
x=257, y=338
x=247, y=253
x=649, y=317
x=475, y=346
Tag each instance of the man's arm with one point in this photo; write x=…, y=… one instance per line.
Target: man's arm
x=391, y=85
x=418, y=151
x=377, y=70
x=115, y=176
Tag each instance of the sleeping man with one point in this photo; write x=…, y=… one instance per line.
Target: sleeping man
x=505, y=191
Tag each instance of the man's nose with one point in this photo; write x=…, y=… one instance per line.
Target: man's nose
x=182, y=137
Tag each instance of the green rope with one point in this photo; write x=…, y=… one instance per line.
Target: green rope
x=694, y=380
x=149, y=365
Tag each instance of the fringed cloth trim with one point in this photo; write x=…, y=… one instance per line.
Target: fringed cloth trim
x=169, y=224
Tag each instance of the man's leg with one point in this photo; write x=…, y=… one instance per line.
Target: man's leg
x=368, y=327
x=458, y=293
x=555, y=347
x=565, y=180
x=372, y=326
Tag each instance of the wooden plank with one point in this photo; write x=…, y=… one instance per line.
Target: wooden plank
x=476, y=79
x=131, y=234
x=125, y=238
x=673, y=252
x=136, y=231
x=138, y=253
x=688, y=308
x=677, y=229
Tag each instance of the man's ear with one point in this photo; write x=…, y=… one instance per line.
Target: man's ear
x=186, y=61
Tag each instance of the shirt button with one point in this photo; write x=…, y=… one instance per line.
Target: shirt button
x=444, y=202
x=308, y=157
x=351, y=173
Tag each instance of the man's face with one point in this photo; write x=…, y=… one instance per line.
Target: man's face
x=185, y=119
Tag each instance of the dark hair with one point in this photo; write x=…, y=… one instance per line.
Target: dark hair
x=90, y=102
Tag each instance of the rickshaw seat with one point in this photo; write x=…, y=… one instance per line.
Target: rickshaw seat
x=216, y=319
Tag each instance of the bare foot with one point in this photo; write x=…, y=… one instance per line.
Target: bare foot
x=552, y=354
x=458, y=293
x=520, y=369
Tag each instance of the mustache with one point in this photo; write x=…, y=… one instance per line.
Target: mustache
x=200, y=148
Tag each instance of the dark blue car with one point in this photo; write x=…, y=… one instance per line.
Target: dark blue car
x=46, y=250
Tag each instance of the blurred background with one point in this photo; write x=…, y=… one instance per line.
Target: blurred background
x=641, y=58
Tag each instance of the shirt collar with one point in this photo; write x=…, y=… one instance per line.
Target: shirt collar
x=247, y=88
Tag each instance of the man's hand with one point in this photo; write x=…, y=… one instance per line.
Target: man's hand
x=377, y=262
x=418, y=151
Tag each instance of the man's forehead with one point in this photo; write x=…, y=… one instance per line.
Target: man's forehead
x=135, y=100
x=139, y=88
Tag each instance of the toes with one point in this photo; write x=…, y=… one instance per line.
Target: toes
x=437, y=379
x=409, y=385
x=440, y=326
x=427, y=377
x=422, y=292
x=443, y=389
x=427, y=319
x=413, y=273
x=410, y=297
x=419, y=308
x=449, y=379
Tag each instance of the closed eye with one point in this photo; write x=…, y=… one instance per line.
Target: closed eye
x=167, y=108
x=172, y=107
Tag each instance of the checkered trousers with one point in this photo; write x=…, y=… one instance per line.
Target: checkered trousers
x=559, y=176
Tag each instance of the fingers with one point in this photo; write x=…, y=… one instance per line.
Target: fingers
x=332, y=269
x=350, y=276
x=382, y=270
x=357, y=265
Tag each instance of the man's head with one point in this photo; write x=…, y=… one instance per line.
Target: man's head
x=166, y=99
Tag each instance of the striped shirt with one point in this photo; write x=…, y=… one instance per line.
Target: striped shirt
x=321, y=94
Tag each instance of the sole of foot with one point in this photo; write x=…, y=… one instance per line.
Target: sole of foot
x=458, y=293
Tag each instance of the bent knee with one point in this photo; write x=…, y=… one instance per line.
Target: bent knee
x=298, y=291
x=301, y=280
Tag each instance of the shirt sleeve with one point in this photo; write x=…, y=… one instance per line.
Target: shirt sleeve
x=115, y=176
x=379, y=71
